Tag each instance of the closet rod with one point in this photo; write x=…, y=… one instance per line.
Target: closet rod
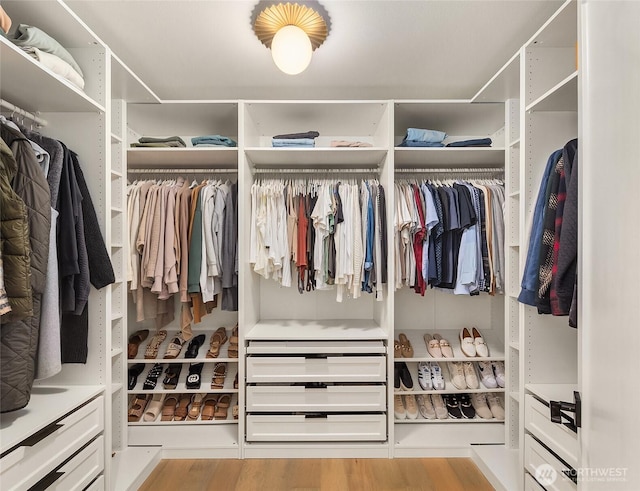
x=315, y=171
x=182, y=171
x=15, y=109
x=451, y=170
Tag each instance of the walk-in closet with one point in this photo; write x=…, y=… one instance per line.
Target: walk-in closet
x=321, y=267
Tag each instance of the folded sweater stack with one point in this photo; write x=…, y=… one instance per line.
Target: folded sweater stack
x=49, y=52
x=417, y=137
x=170, y=141
x=304, y=140
x=213, y=141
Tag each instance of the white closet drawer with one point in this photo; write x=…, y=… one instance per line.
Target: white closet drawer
x=330, y=369
x=332, y=427
x=530, y=484
x=334, y=398
x=97, y=485
x=557, y=437
x=535, y=456
x=42, y=452
x=79, y=471
x=311, y=347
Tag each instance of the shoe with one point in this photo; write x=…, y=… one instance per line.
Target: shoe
x=456, y=373
x=182, y=409
x=219, y=374
x=453, y=406
x=495, y=404
x=134, y=342
x=196, y=405
x=169, y=408
x=406, y=381
x=425, y=406
x=218, y=338
x=209, y=407
x=433, y=346
x=445, y=347
x=470, y=376
x=466, y=342
x=175, y=347
x=154, y=408
x=498, y=370
x=194, y=346
x=481, y=347
x=170, y=381
x=137, y=407
x=424, y=375
x=411, y=406
x=397, y=351
x=232, y=352
x=154, y=343
x=437, y=380
x=398, y=407
x=466, y=407
x=439, y=407
x=396, y=376
x=479, y=402
x=235, y=381
x=405, y=346
x=486, y=375
x=133, y=373
x=152, y=377
x=193, y=379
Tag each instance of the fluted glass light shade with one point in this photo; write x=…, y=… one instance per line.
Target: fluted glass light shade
x=291, y=50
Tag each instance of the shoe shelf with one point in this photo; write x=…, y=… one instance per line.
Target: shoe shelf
x=421, y=420
x=189, y=422
x=420, y=353
x=449, y=387
x=205, y=381
x=202, y=352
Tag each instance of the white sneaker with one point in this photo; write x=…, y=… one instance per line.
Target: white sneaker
x=437, y=379
x=456, y=373
x=424, y=375
x=495, y=404
x=411, y=405
x=398, y=407
x=439, y=407
x=470, y=376
x=486, y=375
x=466, y=342
x=425, y=406
x=498, y=370
x=481, y=347
x=479, y=402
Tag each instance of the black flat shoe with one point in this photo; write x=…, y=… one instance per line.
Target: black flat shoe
x=152, y=377
x=194, y=346
x=193, y=379
x=173, y=374
x=134, y=371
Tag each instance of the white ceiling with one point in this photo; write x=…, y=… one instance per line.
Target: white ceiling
x=396, y=49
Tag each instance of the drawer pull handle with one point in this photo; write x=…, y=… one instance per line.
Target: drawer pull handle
x=41, y=435
x=315, y=385
x=557, y=414
x=315, y=416
x=47, y=481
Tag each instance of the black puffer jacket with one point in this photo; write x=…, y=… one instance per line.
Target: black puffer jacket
x=19, y=339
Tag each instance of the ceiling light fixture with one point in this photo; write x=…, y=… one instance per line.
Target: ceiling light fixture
x=292, y=31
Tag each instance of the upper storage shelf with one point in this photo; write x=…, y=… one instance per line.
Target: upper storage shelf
x=329, y=158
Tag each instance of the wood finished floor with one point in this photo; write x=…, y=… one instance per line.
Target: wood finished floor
x=317, y=474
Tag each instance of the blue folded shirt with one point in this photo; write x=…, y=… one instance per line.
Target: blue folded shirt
x=213, y=140
x=293, y=142
x=418, y=143
x=431, y=136
x=478, y=142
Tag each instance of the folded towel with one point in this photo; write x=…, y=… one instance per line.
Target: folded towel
x=293, y=142
x=417, y=143
x=346, y=143
x=289, y=136
x=478, y=142
x=213, y=140
x=432, y=136
x=150, y=139
x=32, y=36
x=56, y=65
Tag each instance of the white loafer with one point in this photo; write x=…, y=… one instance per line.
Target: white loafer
x=466, y=342
x=433, y=346
x=445, y=347
x=481, y=347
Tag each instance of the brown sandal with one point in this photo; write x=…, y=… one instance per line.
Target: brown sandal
x=223, y=406
x=137, y=407
x=219, y=374
x=183, y=407
x=194, y=411
x=218, y=338
x=152, y=348
x=134, y=342
x=169, y=408
x=405, y=346
x=175, y=347
x=233, y=343
x=209, y=407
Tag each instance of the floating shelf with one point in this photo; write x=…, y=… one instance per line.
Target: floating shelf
x=562, y=97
